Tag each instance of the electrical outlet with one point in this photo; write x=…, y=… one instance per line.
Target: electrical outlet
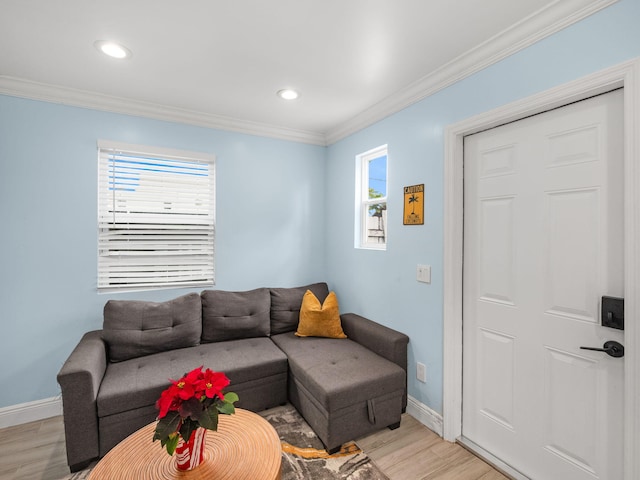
x=421, y=372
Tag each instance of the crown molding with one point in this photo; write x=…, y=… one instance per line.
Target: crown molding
x=19, y=87
x=546, y=21
x=541, y=24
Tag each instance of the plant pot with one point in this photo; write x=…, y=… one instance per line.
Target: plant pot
x=191, y=454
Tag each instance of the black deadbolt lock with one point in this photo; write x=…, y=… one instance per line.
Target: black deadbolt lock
x=613, y=312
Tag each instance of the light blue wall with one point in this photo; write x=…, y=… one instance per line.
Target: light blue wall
x=284, y=210
x=270, y=206
x=382, y=285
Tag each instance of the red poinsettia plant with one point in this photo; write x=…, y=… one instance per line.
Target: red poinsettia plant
x=191, y=402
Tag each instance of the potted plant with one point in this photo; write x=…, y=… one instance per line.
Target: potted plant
x=187, y=409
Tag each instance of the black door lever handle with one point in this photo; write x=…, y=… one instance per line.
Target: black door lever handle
x=611, y=348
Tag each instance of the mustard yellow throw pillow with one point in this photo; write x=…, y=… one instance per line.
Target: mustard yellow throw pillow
x=320, y=320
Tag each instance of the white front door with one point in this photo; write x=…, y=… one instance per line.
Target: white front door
x=543, y=242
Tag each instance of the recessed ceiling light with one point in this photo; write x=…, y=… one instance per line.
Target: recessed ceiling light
x=288, y=94
x=113, y=49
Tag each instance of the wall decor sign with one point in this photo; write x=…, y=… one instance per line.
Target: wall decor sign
x=414, y=205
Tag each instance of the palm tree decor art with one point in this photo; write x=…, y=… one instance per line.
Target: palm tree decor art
x=413, y=200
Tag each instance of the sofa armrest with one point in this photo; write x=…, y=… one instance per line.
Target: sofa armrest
x=80, y=378
x=384, y=341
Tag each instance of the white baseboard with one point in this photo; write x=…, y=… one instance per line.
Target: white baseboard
x=425, y=415
x=30, y=411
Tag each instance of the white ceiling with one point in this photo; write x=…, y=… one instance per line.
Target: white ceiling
x=220, y=62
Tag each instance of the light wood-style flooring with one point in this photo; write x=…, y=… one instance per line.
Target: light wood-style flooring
x=36, y=451
x=413, y=452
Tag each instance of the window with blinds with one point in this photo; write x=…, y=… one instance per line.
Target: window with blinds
x=156, y=218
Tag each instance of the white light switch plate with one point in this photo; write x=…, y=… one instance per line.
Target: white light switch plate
x=423, y=273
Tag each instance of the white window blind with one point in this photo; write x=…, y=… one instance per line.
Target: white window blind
x=156, y=218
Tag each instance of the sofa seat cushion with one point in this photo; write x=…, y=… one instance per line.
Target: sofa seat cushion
x=138, y=382
x=339, y=372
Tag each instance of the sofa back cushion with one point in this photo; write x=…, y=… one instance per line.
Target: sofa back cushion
x=133, y=328
x=286, y=303
x=235, y=315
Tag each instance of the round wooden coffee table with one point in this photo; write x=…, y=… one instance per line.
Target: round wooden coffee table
x=245, y=447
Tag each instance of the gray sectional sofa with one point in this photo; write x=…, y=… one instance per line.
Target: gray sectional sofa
x=344, y=388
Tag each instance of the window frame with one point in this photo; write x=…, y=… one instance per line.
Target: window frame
x=193, y=220
x=363, y=202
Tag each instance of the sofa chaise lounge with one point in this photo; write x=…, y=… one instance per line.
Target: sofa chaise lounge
x=344, y=388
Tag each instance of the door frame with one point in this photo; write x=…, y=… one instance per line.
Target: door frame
x=627, y=76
